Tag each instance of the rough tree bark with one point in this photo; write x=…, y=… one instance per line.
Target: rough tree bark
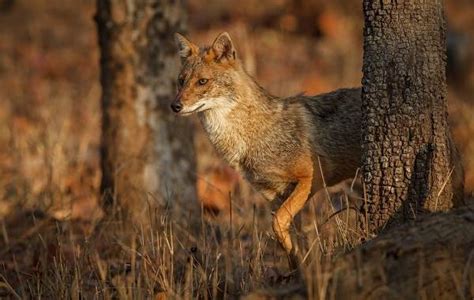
x=433, y=258
x=409, y=162
x=147, y=153
x=429, y=258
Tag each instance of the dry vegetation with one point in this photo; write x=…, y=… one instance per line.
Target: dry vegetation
x=54, y=241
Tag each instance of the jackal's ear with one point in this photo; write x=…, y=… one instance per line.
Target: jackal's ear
x=186, y=47
x=223, y=47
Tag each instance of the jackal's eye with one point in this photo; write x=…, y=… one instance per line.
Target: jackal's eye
x=202, y=81
x=180, y=82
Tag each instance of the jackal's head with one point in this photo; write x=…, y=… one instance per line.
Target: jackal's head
x=207, y=77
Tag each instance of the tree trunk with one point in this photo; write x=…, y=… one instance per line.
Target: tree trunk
x=409, y=162
x=430, y=259
x=147, y=153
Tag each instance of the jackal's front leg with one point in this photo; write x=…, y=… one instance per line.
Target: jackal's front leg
x=288, y=210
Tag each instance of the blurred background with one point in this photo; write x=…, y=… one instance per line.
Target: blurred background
x=50, y=91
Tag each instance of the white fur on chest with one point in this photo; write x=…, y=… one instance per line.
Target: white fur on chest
x=224, y=133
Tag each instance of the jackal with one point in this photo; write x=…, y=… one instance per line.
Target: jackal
x=282, y=146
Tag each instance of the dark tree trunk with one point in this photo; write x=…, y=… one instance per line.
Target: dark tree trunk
x=148, y=155
x=410, y=164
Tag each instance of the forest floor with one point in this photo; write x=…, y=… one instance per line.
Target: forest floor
x=54, y=241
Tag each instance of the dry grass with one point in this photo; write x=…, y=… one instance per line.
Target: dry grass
x=46, y=258
x=54, y=242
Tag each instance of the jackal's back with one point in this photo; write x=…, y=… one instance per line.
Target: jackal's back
x=335, y=130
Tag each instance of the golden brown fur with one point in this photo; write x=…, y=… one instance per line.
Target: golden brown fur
x=283, y=146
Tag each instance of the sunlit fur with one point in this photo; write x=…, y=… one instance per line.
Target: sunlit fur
x=280, y=145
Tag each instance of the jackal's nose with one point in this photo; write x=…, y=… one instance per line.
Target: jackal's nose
x=176, y=106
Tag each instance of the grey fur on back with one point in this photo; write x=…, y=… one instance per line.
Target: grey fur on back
x=336, y=132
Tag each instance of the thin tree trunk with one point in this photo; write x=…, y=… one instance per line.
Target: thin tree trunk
x=148, y=155
x=410, y=164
